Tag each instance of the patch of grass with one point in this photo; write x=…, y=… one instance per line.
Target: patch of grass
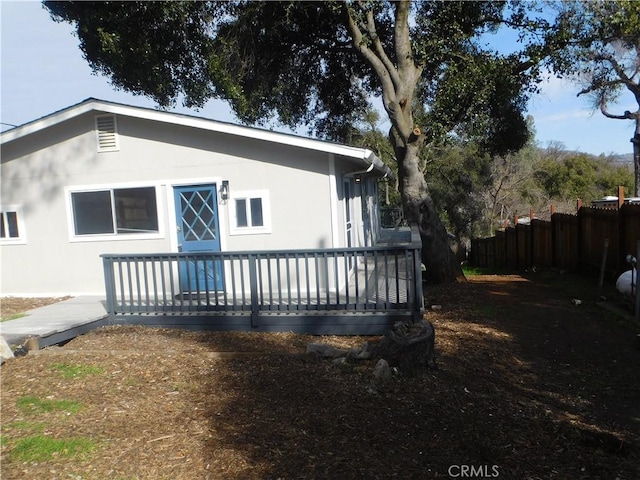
x=36, y=427
x=76, y=371
x=39, y=448
x=469, y=270
x=35, y=405
x=15, y=316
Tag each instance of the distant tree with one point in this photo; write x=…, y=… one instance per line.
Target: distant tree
x=510, y=192
x=572, y=178
x=581, y=176
x=611, y=175
x=318, y=63
x=457, y=176
x=604, y=57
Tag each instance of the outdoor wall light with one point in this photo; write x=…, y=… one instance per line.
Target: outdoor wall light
x=224, y=190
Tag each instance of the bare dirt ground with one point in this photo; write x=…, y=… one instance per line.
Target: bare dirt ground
x=529, y=386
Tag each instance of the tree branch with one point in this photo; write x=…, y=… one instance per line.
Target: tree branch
x=402, y=38
x=627, y=115
x=383, y=74
x=619, y=69
x=382, y=55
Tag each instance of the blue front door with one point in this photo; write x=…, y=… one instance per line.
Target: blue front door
x=198, y=231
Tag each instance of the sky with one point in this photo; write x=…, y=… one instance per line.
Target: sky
x=42, y=71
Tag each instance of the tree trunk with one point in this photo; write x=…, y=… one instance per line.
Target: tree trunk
x=440, y=262
x=409, y=347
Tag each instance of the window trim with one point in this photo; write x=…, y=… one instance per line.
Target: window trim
x=21, y=239
x=102, y=237
x=263, y=195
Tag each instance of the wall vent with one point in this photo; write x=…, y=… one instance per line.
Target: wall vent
x=107, y=133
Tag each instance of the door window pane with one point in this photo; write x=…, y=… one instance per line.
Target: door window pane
x=198, y=215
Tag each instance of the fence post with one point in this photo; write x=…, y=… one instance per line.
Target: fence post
x=620, y=196
x=110, y=286
x=253, y=284
x=603, y=264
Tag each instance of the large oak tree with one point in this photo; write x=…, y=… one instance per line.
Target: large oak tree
x=603, y=56
x=320, y=63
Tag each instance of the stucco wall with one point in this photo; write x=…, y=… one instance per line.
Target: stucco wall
x=40, y=170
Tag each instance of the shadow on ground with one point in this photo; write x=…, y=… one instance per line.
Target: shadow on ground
x=529, y=386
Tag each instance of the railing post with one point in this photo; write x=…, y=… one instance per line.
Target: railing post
x=253, y=285
x=418, y=300
x=110, y=286
x=637, y=309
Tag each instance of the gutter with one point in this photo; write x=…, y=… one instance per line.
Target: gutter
x=372, y=162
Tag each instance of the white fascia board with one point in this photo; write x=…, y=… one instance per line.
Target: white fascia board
x=45, y=122
x=367, y=156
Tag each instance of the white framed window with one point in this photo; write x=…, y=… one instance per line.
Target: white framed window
x=107, y=133
x=116, y=212
x=11, y=225
x=250, y=213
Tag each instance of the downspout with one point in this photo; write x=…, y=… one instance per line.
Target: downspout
x=333, y=204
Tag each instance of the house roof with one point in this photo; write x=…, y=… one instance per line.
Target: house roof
x=370, y=162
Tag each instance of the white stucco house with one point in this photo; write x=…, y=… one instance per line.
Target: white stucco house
x=105, y=178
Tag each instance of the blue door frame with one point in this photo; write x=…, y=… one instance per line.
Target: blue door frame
x=198, y=231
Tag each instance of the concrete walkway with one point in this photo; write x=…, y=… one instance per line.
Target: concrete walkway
x=56, y=323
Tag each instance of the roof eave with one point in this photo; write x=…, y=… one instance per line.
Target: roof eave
x=92, y=104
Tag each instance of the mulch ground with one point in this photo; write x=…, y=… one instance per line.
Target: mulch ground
x=528, y=386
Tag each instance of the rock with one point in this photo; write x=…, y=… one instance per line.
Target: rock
x=20, y=351
x=5, y=350
x=326, y=351
x=362, y=353
x=381, y=373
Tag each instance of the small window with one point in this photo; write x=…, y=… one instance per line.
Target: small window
x=120, y=211
x=250, y=213
x=107, y=133
x=11, y=228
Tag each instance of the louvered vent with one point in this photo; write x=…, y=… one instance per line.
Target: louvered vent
x=107, y=133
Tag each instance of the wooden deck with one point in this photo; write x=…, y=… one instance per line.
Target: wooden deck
x=328, y=291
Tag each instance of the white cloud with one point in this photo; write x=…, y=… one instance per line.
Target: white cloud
x=578, y=114
x=553, y=87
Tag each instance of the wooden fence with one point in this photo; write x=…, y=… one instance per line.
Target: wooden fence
x=569, y=242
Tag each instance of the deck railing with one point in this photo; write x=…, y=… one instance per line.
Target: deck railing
x=268, y=290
